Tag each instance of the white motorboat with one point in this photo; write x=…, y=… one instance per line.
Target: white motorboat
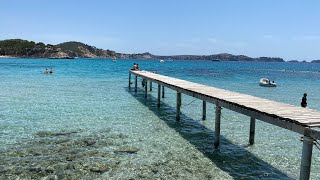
x=161, y=61
x=267, y=83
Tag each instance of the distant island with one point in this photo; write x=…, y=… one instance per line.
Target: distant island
x=214, y=57
x=68, y=50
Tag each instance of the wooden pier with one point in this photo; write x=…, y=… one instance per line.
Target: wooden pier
x=300, y=120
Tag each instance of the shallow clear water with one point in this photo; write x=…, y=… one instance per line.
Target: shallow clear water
x=85, y=118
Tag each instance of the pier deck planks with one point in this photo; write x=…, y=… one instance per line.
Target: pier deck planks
x=296, y=116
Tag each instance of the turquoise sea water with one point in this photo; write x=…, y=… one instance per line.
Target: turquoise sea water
x=84, y=122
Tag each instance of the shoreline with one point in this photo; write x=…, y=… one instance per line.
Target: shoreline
x=3, y=57
x=6, y=56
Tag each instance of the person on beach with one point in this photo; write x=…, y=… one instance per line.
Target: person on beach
x=51, y=71
x=304, y=100
x=46, y=71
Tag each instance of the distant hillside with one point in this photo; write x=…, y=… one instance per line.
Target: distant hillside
x=214, y=57
x=24, y=49
x=78, y=49
x=29, y=49
x=293, y=61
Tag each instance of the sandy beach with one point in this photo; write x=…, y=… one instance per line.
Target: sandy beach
x=6, y=56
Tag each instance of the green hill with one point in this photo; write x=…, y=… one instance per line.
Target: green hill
x=24, y=49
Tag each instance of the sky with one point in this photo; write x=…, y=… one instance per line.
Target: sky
x=289, y=29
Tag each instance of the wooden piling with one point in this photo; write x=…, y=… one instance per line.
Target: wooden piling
x=162, y=91
x=252, y=130
x=204, y=110
x=129, y=79
x=150, y=85
x=145, y=88
x=136, y=83
x=178, y=106
x=306, y=158
x=217, y=126
x=159, y=94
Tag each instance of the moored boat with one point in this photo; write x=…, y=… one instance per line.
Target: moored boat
x=267, y=83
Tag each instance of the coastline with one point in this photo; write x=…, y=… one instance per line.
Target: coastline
x=6, y=56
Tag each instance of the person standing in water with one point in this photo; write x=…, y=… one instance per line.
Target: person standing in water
x=304, y=100
x=51, y=71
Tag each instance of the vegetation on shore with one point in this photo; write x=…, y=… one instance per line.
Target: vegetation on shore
x=30, y=49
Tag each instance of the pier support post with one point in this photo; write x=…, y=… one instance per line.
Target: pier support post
x=129, y=79
x=178, y=106
x=252, y=130
x=162, y=91
x=150, y=85
x=204, y=110
x=145, y=88
x=135, y=83
x=159, y=94
x=217, y=126
x=306, y=157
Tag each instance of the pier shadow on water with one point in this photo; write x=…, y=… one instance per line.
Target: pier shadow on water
x=234, y=159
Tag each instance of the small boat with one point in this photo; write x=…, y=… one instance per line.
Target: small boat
x=114, y=59
x=161, y=61
x=65, y=57
x=267, y=83
x=68, y=57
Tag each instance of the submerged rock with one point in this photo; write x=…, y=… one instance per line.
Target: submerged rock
x=50, y=133
x=51, y=177
x=52, y=155
x=100, y=169
x=89, y=142
x=126, y=150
